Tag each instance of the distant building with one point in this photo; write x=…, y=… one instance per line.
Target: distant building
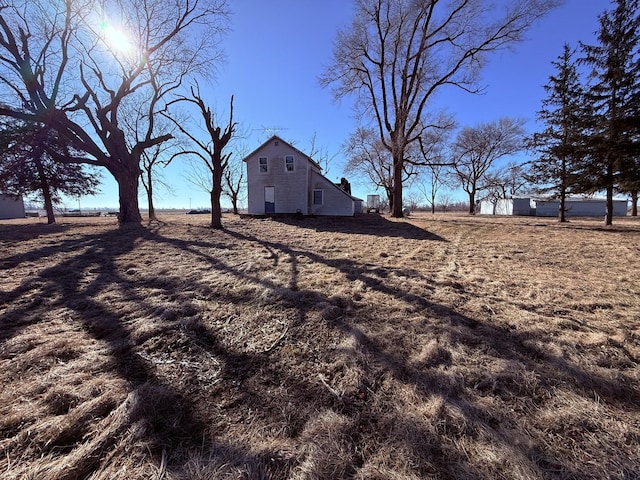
x=11, y=206
x=579, y=207
x=550, y=207
x=508, y=206
x=283, y=180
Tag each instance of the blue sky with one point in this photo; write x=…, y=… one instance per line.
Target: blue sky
x=277, y=49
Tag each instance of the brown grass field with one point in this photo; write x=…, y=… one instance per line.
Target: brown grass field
x=445, y=347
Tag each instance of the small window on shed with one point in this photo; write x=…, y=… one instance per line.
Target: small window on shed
x=289, y=163
x=317, y=197
x=264, y=162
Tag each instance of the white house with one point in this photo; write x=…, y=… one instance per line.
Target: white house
x=281, y=179
x=11, y=206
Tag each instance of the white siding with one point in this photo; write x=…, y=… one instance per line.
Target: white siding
x=335, y=201
x=509, y=206
x=580, y=207
x=543, y=207
x=522, y=206
x=497, y=207
x=293, y=189
x=546, y=208
x=290, y=187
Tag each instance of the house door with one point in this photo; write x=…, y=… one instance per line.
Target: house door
x=269, y=199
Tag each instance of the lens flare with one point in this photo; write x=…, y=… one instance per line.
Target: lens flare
x=115, y=38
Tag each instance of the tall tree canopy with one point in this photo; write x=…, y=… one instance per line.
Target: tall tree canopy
x=76, y=67
x=27, y=165
x=560, y=145
x=398, y=53
x=614, y=94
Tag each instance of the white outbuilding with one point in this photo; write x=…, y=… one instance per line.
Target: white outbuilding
x=550, y=207
x=507, y=206
x=11, y=206
x=579, y=207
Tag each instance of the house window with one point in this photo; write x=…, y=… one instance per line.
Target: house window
x=288, y=163
x=317, y=197
x=263, y=164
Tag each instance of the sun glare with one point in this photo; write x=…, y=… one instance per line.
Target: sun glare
x=115, y=38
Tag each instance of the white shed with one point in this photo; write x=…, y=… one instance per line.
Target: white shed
x=11, y=206
x=506, y=206
x=579, y=207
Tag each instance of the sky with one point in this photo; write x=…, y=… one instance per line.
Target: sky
x=276, y=50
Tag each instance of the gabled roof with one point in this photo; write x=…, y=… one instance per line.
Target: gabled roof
x=276, y=137
x=338, y=187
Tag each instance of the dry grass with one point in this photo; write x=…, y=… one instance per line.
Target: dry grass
x=366, y=348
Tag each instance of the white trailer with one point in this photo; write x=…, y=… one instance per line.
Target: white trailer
x=373, y=203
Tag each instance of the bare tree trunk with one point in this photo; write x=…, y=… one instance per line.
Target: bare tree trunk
x=216, y=210
x=149, y=189
x=472, y=202
x=608, y=219
x=396, y=202
x=46, y=193
x=216, y=191
x=563, y=210
x=634, y=204
x=390, y=197
x=128, y=196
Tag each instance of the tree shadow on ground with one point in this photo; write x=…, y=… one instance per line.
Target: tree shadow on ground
x=164, y=414
x=501, y=342
x=262, y=388
x=369, y=224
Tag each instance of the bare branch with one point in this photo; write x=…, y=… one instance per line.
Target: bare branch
x=398, y=53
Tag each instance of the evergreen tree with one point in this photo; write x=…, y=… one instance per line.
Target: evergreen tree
x=32, y=161
x=614, y=94
x=561, y=144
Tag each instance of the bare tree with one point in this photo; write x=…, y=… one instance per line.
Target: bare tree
x=212, y=150
x=198, y=174
x=444, y=200
x=398, y=53
x=508, y=181
x=429, y=189
x=413, y=200
x=433, y=155
x=320, y=155
x=476, y=150
x=367, y=156
x=154, y=158
x=234, y=182
x=150, y=177
x=75, y=67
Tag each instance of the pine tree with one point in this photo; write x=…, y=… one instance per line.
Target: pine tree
x=614, y=94
x=561, y=144
x=28, y=165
